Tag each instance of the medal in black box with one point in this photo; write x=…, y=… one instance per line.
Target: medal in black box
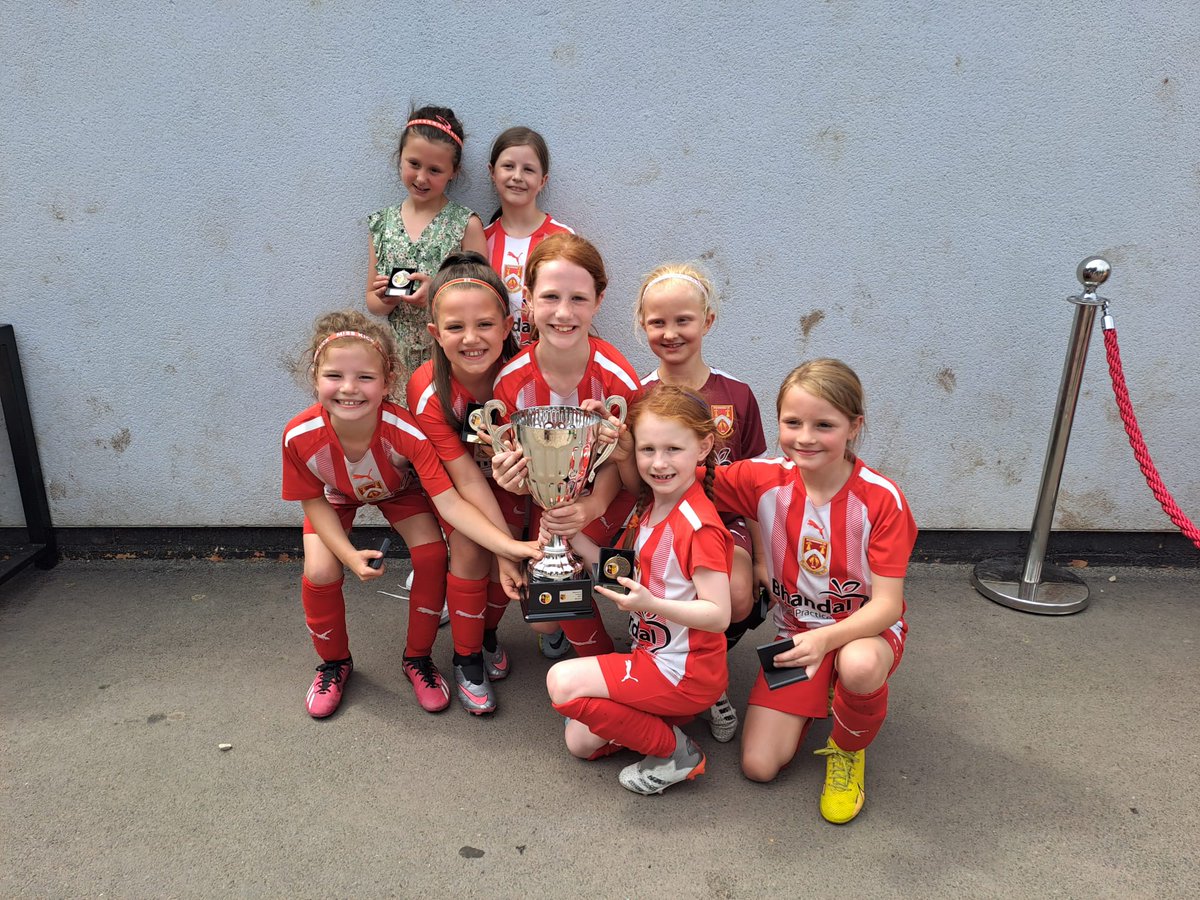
x=401, y=283
x=777, y=678
x=616, y=563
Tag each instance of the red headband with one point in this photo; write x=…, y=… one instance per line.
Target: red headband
x=357, y=335
x=439, y=123
x=476, y=281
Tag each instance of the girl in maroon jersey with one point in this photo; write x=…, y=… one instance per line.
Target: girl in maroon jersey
x=678, y=605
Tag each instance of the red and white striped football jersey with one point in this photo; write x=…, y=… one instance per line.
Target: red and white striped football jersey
x=520, y=383
x=821, y=558
x=691, y=537
x=399, y=455
x=426, y=408
x=508, y=255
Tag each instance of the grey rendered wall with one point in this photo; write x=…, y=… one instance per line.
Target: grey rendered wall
x=905, y=185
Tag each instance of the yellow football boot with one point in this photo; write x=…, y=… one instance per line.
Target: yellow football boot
x=843, y=794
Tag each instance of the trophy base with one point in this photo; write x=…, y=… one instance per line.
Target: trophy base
x=554, y=601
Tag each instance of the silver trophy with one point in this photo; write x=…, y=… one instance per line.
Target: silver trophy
x=559, y=446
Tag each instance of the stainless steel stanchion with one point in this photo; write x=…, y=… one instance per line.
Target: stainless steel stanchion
x=1031, y=586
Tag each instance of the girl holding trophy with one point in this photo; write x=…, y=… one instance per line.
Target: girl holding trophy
x=678, y=600
x=472, y=331
x=566, y=366
x=353, y=447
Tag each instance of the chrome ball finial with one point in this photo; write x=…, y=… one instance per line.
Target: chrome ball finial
x=1093, y=272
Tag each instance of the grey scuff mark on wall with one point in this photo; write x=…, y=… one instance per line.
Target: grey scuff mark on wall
x=1086, y=510
x=946, y=380
x=119, y=442
x=216, y=235
x=646, y=173
x=810, y=321
x=831, y=142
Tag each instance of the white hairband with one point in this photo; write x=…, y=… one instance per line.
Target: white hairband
x=696, y=281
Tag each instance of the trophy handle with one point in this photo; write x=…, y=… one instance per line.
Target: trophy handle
x=622, y=411
x=619, y=402
x=496, y=432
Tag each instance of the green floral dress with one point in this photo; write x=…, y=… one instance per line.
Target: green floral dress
x=393, y=247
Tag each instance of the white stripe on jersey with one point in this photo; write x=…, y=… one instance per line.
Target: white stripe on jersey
x=653, y=376
x=873, y=477
x=393, y=419
x=610, y=366
x=690, y=515
x=303, y=428
x=781, y=461
x=423, y=400
x=725, y=374
x=515, y=366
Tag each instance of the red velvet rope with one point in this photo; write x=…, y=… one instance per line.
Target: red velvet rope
x=1139, y=445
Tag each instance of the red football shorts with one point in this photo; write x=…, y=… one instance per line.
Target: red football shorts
x=394, y=509
x=635, y=680
x=811, y=698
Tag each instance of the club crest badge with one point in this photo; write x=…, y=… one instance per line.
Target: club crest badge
x=723, y=418
x=815, y=556
x=512, y=277
x=368, y=487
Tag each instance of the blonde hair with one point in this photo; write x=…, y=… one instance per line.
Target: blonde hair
x=834, y=382
x=379, y=335
x=681, y=273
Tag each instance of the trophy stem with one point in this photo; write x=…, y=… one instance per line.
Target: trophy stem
x=557, y=564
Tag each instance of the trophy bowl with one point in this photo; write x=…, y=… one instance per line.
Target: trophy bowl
x=559, y=444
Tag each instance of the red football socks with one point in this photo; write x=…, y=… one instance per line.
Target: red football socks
x=497, y=603
x=588, y=636
x=639, y=731
x=427, y=597
x=468, y=601
x=325, y=614
x=857, y=718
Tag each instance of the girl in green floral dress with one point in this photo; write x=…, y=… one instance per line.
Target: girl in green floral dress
x=420, y=232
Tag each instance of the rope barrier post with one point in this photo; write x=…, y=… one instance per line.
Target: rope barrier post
x=1029, y=585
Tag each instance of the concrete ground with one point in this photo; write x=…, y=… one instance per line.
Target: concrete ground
x=1023, y=756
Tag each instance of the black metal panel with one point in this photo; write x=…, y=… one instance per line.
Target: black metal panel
x=42, y=549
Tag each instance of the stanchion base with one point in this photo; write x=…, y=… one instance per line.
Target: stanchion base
x=1059, y=593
